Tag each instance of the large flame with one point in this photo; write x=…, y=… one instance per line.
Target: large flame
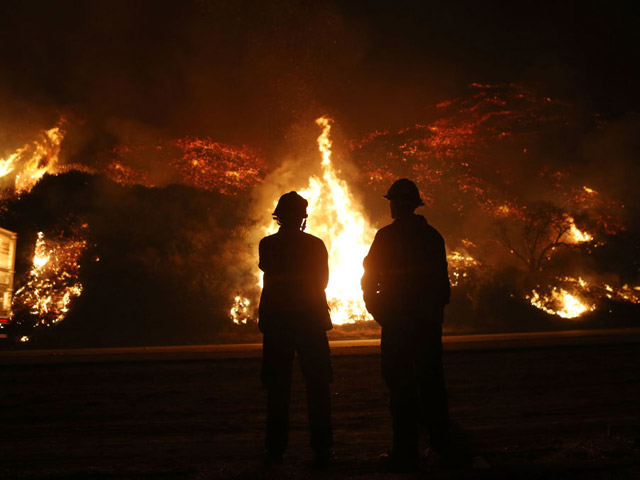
x=336, y=218
x=30, y=162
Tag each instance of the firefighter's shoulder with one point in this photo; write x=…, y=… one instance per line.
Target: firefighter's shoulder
x=384, y=233
x=268, y=240
x=435, y=234
x=312, y=239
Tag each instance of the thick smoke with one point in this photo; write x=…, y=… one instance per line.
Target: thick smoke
x=243, y=72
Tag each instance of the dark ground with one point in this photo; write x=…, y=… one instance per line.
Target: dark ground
x=569, y=412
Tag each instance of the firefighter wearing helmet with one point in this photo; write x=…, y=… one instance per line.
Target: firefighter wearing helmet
x=294, y=318
x=406, y=287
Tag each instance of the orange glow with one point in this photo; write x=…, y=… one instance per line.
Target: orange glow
x=32, y=161
x=575, y=235
x=459, y=266
x=210, y=165
x=336, y=217
x=561, y=303
x=53, y=280
x=240, y=310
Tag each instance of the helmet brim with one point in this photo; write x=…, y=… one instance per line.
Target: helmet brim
x=418, y=203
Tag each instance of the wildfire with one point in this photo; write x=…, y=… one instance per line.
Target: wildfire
x=575, y=235
x=623, y=293
x=198, y=162
x=127, y=175
x=459, y=266
x=32, y=161
x=240, y=310
x=561, y=303
x=215, y=166
x=583, y=297
x=336, y=218
x=52, y=282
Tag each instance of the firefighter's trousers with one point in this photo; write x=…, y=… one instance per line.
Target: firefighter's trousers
x=412, y=369
x=312, y=349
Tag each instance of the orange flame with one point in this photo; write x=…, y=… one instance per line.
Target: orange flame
x=31, y=162
x=575, y=235
x=561, y=303
x=336, y=217
x=53, y=280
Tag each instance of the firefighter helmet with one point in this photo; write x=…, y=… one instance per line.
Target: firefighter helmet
x=405, y=191
x=291, y=205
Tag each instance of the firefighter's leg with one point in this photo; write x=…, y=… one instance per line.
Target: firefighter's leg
x=315, y=362
x=433, y=392
x=277, y=362
x=398, y=374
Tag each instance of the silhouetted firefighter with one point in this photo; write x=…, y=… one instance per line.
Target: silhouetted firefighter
x=294, y=318
x=406, y=287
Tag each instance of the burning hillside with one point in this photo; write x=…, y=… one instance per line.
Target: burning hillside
x=526, y=230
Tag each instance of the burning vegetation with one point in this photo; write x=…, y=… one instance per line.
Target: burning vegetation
x=52, y=283
x=529, y=240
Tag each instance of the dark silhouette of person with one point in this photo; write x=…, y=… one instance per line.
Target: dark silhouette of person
x=294, y=318
x=406, y=287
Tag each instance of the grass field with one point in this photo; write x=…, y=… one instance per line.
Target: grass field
x=556, y=412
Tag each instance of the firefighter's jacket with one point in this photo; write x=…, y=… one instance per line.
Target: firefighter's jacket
x=296, y=273
x=405, y=272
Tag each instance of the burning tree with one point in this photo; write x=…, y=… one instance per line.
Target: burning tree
x=544, y=229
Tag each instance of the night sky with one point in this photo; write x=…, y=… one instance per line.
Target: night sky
x=246, y=72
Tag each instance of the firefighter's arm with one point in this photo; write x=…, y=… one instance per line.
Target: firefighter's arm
x=370, y=281
x=443, y=272
x=262, y=263
x=324, y=267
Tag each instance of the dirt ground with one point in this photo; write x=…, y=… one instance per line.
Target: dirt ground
x=557, y=412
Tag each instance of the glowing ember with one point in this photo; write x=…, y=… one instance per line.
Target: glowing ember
x=215, y=166
x=240, y=310
x=459, y=266
x=626, y=294
x=127, y=175
x=623, y=293
x=561, y=303
x=198, y=162
x=53, y=280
